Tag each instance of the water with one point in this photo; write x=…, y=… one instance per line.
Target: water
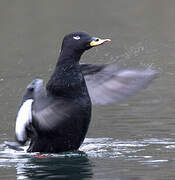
x=134, y=139
x=98, y=158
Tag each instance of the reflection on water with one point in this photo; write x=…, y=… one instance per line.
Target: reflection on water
x=76, y=165
x=73, y=165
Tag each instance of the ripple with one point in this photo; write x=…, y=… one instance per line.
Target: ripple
x=143, y=151
x=154, y=162
x=170, y=147
x=159, y=141
x=108, y=147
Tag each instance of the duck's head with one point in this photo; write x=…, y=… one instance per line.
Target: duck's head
x=78, y=42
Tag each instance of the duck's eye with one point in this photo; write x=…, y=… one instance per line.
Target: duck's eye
x=97, y=40
x=76, y=37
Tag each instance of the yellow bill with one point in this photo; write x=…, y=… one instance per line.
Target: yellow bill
x=98, y=41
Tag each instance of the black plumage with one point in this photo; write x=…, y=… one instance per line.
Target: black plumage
x=58, y=116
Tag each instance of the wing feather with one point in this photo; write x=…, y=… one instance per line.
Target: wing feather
x=24, y=117
x=106, y=84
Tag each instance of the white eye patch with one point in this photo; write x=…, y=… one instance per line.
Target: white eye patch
x=76, y=37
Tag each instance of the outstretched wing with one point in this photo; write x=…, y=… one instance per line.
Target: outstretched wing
x=24, y=115
x=107, y=84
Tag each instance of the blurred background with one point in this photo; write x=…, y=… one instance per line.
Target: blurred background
x=129, y=140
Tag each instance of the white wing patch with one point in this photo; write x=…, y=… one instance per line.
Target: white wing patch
x=24, y=117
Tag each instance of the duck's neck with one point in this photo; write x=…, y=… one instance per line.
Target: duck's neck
x=69, y=55
x=67, y=79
